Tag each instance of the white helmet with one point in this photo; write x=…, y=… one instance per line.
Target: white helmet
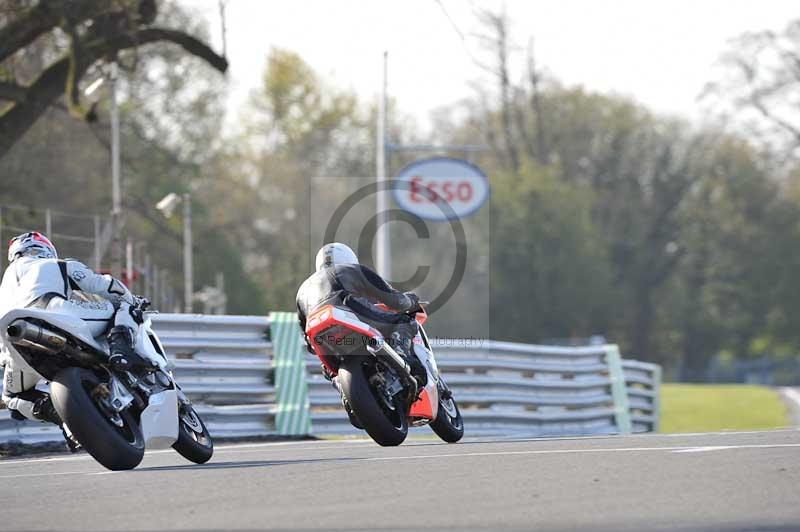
x=32, y=243
x=335, y=253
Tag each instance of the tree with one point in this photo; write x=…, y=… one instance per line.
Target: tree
x=79, y=34
x=761, y=84
x=296, y=128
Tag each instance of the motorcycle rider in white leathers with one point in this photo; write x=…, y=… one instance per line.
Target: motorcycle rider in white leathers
x=37, y=278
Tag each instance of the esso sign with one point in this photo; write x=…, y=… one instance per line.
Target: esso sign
x=441, y=188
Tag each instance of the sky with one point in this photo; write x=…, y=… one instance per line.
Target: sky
x=659, y=53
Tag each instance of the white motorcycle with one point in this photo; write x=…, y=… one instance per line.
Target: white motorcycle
x=112, y=415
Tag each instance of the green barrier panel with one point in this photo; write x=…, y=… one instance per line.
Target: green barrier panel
x=619, y=391
x=657, y=399
x=293, y=416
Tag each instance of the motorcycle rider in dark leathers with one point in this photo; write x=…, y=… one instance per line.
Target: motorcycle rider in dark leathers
x=340, y=280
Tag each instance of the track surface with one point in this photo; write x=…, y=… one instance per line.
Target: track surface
x=725, y=482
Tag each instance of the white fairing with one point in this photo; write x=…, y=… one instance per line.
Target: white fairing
x=75, y=326
x=145, y=347
x=431, y=386
x=160, y=420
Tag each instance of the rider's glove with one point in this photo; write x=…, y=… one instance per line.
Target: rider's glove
x=414, y=302
x=136, y=310
x=141, y=302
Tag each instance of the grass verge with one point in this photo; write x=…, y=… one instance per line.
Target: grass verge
x=713, y=407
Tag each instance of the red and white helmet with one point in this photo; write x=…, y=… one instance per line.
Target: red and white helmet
x=32, y=243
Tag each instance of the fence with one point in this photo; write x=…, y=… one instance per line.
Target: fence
x=244, y=385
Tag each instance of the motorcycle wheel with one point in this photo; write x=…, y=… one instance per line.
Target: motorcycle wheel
x=384, y=421
x=448, y=424
x=194, y=442
x=113, y=446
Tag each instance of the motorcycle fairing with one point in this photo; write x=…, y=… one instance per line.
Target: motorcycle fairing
x=329, y=315
x=422, y=407
x=426, y=407
x=149, y=345
x=70, y=324
x=159, y=421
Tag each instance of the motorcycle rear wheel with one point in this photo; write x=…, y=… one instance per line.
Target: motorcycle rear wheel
x=116, y=448
x=386, y=424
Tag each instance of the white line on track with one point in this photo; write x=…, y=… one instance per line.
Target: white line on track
x=702, y=449
x=310, y=445
x=672, y=449
x=319, y=444
x=573, y=451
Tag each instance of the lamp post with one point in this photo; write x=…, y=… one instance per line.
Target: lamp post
x=116, y=191
x=167, y=206
x=382, y=245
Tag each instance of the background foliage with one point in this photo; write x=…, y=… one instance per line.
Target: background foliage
x=680, y=241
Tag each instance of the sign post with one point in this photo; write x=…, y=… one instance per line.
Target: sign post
x=384, y=149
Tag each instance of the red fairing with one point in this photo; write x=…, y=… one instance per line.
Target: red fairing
x=329, y=316
x=422, y=407
x=421, y=316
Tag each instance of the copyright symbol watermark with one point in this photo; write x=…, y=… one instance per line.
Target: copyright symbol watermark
x=354, y=221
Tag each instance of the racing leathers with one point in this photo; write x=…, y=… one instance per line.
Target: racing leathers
x=359, y=288
x=48, y=284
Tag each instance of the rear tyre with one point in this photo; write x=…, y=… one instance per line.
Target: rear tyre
x=194, y=442
x=116, y=447
x=448, y=424
x=384, y=419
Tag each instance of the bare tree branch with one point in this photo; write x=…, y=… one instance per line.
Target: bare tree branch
x=50, y=84
x=12, y=92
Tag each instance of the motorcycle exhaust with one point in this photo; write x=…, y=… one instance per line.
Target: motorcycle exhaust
x=397, y=362
x=26, y=334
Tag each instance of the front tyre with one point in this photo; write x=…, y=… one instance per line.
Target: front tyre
x=194, y=441
x=448, y=424
x=383, y=418
x=113, y=438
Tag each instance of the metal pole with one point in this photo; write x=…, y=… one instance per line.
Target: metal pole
x=116, y=194
x=382, y=243
x=48, y=223
x=139, y=266
x=148, y=277
x=129, y=263
x=165, y=291
x=223, y=298
x=188, y=267
x=96, y=242
x=157, y=299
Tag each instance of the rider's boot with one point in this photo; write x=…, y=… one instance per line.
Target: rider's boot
x=123, y=357
x=43, y=410
x=72, y=444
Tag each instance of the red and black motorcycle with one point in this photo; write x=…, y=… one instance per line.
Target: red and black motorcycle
x=378, y=389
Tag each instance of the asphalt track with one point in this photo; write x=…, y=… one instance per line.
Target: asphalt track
x=722, y=482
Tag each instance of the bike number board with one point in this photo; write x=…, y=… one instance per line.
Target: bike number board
x=441, y=188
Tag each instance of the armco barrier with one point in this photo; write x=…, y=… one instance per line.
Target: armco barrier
x=511, y=388
x=223, y=363
x=243, y=385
